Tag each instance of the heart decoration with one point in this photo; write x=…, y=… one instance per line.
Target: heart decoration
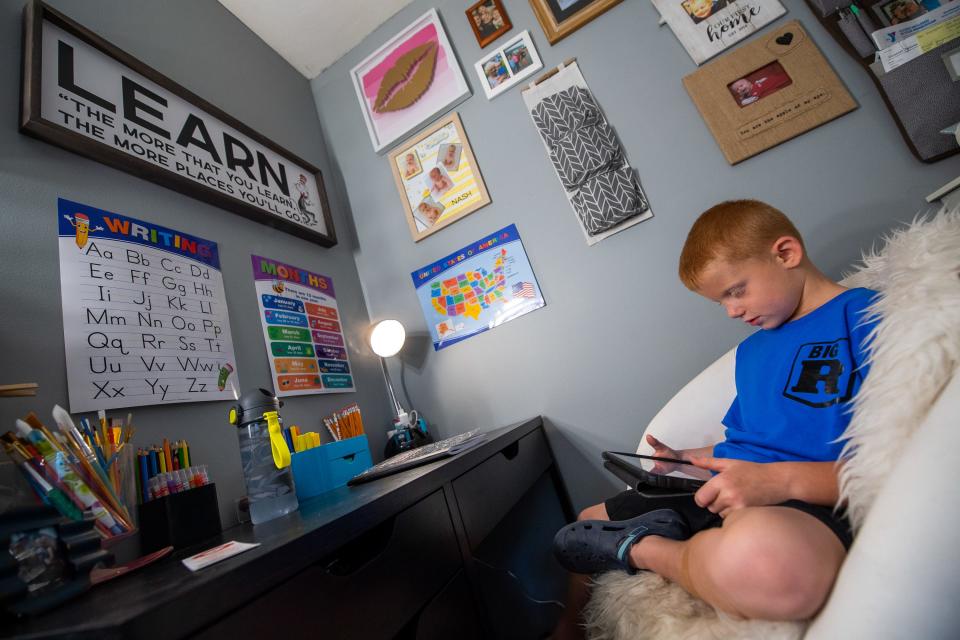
x=785, y=39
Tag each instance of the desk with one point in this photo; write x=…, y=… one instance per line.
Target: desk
x=454, y=549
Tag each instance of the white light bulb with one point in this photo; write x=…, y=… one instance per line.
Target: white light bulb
x=387, y=338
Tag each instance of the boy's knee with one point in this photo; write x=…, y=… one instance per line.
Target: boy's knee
x=771, y=576
x=596, y=512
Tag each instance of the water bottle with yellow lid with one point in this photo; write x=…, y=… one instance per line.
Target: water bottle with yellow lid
x=264, y=455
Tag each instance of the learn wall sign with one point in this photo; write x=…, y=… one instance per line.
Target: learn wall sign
x=84, y=94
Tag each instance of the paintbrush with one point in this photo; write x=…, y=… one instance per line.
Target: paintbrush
x=65, y=424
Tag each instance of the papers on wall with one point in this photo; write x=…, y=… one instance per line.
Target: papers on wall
x=898, y=32
x=144, y=313
x=915, y=46
x=707, y=27
x=477, y=288
x=302, y=330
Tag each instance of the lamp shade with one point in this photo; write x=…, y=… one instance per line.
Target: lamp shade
x=387, y=338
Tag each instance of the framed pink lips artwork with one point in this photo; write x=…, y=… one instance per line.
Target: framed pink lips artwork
x=409, y=81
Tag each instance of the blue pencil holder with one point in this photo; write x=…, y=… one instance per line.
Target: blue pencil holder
x=329, y=466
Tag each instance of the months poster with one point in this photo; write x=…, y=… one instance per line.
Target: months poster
x=302, y=329
x=144, y=313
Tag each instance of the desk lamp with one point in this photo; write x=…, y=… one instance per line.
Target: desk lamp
x=386, y=340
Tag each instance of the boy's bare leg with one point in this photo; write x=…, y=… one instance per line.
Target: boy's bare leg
x=774, y=563
x=570, y=625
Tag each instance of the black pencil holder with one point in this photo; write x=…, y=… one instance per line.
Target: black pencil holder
x=181, y=519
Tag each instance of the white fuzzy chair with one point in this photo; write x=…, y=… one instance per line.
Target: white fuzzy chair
x=901, y=578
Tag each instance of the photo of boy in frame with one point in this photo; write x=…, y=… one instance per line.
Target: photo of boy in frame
x=759, y=84
x=518, y=57
x=448, y=155
x=409, y=165
x=700, y=10
x=438, y=181
x=428, y=212
x=495, y=71
x=489, y=21
x=902, y=10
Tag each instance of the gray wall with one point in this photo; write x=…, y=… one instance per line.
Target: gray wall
x=207, y=50
x=620, y=334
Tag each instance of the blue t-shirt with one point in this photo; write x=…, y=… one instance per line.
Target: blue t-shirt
x=795, y=383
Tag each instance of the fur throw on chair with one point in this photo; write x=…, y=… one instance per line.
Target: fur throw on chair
x=914, y=351
x=913, y=354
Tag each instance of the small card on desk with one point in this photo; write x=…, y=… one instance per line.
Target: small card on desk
x=216, y=554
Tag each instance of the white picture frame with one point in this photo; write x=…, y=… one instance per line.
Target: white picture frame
x=706, y=28
x=504, y=59
x=394, y=117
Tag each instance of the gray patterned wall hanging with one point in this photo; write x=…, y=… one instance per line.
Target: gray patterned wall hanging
x=600, y=184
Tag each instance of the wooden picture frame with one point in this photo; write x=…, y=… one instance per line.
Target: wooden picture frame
x=558, y=23
x=486, y=35
x=437, y=177
x=768, y=91
x=100, y=128
x=395, y=102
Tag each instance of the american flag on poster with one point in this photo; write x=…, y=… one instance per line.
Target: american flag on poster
x=523, y=290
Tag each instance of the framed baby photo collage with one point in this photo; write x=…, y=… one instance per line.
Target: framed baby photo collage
x=437, y=177
x=406, y=84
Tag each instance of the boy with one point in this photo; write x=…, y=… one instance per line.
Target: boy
x=759, y=539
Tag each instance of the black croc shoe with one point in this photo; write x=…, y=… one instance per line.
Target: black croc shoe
x=595, y=546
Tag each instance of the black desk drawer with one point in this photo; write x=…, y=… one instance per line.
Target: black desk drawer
x=451, y=615
x=370, y=588
x=488, y=491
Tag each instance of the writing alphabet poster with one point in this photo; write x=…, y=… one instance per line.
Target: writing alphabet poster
x=144, y=313
x=302, y=330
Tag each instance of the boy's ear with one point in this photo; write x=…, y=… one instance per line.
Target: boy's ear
x=787, y=251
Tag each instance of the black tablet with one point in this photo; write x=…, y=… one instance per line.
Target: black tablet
x=664, y=473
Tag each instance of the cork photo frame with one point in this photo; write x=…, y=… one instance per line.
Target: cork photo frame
x=775, y=88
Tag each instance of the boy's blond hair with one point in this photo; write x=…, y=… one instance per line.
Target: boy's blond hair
x=733, y=230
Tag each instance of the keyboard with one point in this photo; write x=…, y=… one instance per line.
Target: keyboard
x=421, y=455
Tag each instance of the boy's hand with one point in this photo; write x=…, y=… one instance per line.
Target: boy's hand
x=663, y=451
x=739, y=484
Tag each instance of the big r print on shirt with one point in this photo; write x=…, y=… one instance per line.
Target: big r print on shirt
x=823, y=374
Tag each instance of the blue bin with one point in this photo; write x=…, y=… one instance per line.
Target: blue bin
x=347, y=458
x=329, y=466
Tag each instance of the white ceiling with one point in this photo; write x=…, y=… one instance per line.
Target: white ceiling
x=313, y=34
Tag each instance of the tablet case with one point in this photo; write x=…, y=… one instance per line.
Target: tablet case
x=638, y=478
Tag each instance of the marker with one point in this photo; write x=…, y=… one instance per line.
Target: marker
x=144, y=476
